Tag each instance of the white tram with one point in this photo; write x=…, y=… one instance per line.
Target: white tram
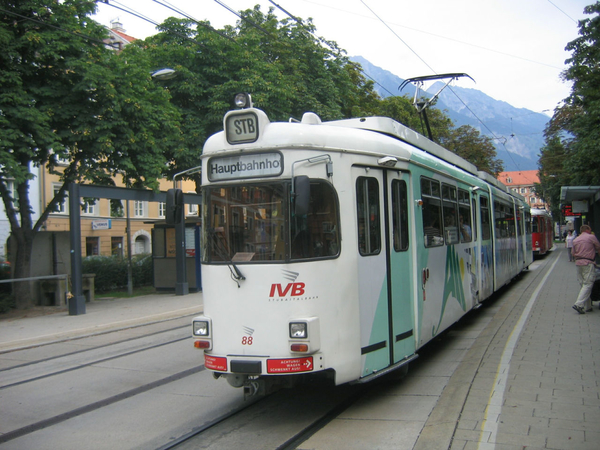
x=341, y=248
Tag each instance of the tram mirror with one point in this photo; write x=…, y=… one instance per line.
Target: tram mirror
x=302, y=195
x=174, y=206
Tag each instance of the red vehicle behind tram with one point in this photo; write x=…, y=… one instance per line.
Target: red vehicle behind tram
x=542, y=235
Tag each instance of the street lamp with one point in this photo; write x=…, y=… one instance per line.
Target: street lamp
x=164, y=74
x=176, y=212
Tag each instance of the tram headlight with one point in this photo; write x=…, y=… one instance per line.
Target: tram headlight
x=298, y=330
x=201, y=328
x=304, y=335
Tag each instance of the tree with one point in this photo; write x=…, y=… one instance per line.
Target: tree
x=402, y=110
x=553, y=157
x=282, y=64
x=572, y=147
x=584, y=101
x=479, y=150
x=465, y=141
x=65, y=96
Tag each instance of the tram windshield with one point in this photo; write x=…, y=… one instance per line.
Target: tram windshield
x=256, y=223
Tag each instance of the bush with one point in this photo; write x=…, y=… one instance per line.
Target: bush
x=5, y=288
x=7, y=302
x=111, y=271
x=142, y=270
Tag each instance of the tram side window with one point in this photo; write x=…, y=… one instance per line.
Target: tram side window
x=511, y=224
x=432, y=212
x=464, y=216
x=450, y=214
x=369, y=222
x=400, y=215
x=535, y=225
x=485, y=218
x=527, y=223
x=504, y=221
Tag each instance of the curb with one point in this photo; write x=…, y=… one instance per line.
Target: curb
x=98, y=329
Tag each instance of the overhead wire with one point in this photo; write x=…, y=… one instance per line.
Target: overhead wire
x=398, y=36
x=187, y=16
x=439, y=36
x=301, y=23
x=114, y=4
x=554, y=4
x=245, y=19
x=501, y=140
x=129, y=10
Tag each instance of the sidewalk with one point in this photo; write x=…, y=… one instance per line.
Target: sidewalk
x=101, y=316
x=524, y=375
x=537, y=384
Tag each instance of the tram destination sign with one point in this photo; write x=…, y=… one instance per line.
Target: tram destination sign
x=245, y=166
x=241, y=128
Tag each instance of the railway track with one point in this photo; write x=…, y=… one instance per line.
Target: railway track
x=45, y=367
x=151, y=391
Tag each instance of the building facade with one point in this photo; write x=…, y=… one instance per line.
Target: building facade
x=104, y=222
x=522, y=182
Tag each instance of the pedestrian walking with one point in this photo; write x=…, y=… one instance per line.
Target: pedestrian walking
x=569, y=242
x=585, y=247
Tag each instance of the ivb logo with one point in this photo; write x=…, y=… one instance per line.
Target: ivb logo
x=293, y=289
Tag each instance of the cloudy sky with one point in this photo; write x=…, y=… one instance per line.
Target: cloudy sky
x=513, y=49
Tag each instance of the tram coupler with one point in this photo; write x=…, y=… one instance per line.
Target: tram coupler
x=261, y=386
x=254, y=388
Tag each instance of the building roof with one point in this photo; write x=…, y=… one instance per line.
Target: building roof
x=117, y=38
x=519, y=178
x=124, y=36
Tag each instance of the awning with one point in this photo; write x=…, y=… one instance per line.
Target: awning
x=570, y=193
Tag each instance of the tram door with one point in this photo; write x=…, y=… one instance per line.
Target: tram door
x=384, y=267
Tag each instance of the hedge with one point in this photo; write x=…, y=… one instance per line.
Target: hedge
x=111, y=271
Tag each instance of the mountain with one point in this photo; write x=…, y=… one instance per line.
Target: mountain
x=517, y=132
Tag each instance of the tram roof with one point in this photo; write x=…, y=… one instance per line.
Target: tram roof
x=390, y=127
x=381, y=125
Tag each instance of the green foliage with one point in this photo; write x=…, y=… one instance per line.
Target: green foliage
x=64, y=95
x=465, y=141
x=469, y=144
x=7, y=301
x=111, y=271
x=572, y=149
x=282, y=64
x=552, y=173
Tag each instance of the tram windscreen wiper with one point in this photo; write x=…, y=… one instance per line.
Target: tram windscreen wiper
x=219, y=247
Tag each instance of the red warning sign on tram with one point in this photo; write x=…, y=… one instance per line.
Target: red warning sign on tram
x=290, y=365
x=215, y=363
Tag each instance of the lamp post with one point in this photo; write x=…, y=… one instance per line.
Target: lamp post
x=181, y=284
x=128, y=237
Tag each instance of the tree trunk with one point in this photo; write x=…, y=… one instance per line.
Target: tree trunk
x=23, y=290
